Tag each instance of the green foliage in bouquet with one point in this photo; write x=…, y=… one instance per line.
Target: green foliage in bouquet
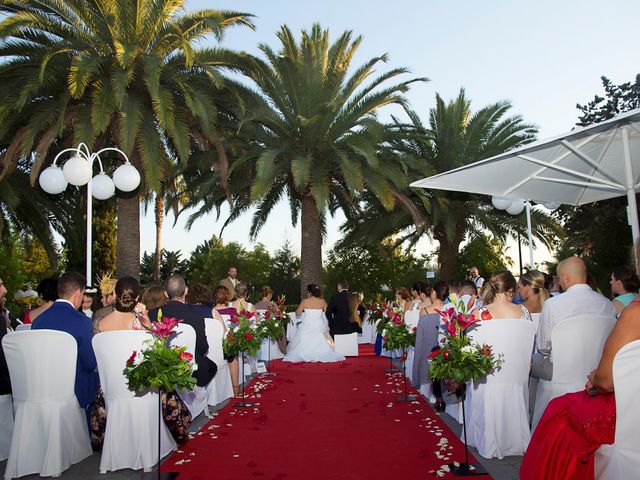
x=159, y=365
x=398, y=335
x=242, y=336
x=459, y=358
x=380, y=314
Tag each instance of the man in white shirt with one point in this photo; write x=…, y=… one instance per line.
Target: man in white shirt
x=476, y=278
x=578, y=298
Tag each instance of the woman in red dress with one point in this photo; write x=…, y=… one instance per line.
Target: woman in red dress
x=574, y=426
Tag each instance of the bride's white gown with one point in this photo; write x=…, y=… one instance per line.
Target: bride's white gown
x=312, y=342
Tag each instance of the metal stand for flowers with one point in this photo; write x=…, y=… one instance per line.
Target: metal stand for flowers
x=466, y=469
x=243, y=403
x=406, y=397
x=158, y=474
x=392, y=368
x=269, y=373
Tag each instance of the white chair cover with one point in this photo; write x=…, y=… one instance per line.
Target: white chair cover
x=195, y=399
x=292, y=326
x=347, y=344
x=220, y=388
x=621, y=461
x=23, y=326
x=576, y=347
x=131, y=436
x=411, y=319
x=50, y=431
x=497, y=407
x=368, y=334
x=6, y=425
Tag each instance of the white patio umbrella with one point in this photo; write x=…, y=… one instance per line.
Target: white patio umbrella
x=585, y=165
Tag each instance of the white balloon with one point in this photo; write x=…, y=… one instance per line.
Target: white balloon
x=501, y=203
x=52, y=180
x=551, y=205
x=77, y=171
x=102, y=186
x=516, y=207
x=126, y=177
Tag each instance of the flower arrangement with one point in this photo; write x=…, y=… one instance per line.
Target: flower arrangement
x=380, y=314
x=398, y=335
x=242, y=336
x=459, y=359
x=272, y=325
x=159, y=365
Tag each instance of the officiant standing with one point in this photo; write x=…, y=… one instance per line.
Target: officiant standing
x=231, y=281
x=338, y=312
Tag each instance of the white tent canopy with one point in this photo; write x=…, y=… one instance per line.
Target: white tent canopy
x=588, y=164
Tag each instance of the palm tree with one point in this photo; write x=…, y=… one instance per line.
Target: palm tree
x=312, y=137
x=122, y=73
x=455, y=136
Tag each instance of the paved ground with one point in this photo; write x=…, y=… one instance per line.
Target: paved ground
x=506, y=469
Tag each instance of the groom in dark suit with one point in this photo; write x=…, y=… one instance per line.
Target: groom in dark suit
x=338, y=312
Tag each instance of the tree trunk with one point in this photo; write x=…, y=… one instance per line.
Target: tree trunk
x=448, y=251
x=159, y=211
x=311, y=245
x=128, y=235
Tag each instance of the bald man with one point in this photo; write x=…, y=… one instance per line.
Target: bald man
x=578, y=298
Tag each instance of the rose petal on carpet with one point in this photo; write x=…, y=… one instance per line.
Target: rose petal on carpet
x=322, y=421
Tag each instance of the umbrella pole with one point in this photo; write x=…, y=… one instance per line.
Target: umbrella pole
x=631, y=192
x=530, y=234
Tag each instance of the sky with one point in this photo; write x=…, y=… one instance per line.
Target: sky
x=543, y=56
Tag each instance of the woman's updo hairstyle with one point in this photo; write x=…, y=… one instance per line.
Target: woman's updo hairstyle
x=221, y=295
x=314, y=290
x=241, y=290
x=442, y=290
x=426, y=289
x=266, y=291
x=537, y=281
x=128, y=293
x=502, y=282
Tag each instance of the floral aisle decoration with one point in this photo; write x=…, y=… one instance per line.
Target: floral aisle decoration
x=272, y=325
x=381, y=313
x=397, y=335
x=243, y=336
x=459, y=359
x=158, y=365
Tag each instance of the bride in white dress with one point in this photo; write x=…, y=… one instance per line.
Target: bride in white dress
x=312, y=342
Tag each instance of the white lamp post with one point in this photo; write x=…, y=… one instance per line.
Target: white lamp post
x=78, y=170
x=515, y=207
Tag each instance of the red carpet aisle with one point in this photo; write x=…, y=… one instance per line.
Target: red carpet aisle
x=322, y=421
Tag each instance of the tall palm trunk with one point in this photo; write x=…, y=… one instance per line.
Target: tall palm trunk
x=159, y=211
x=128, y=236
x=448, y=251
x=311, y=245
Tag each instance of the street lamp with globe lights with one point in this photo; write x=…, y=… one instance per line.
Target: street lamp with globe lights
x=78, y=170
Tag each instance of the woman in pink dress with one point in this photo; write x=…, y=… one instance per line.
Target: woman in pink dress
x=574, y=426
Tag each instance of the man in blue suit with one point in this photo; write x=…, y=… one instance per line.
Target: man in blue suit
x=64, y=316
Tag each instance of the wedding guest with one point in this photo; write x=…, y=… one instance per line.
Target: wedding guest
x=64, y=316
x=425, y=297
x=575, y=425
x=48, y=293
x=578, y=298
x=414, y=303
x=439, y=295
x=221, y=300
x=5, y=380
x=531, y=287
x=497, y=295
x=107, y=286
x=468, y=291
x=199, y=297
x=241, y=304
x=355, y=311
x=87, y=304
x=402, y=297
x=177, y=308
x=267, y=302
x=128, y=313
x=154, y=296
x=230, y=282
x=624, y=285
x=475, y=277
